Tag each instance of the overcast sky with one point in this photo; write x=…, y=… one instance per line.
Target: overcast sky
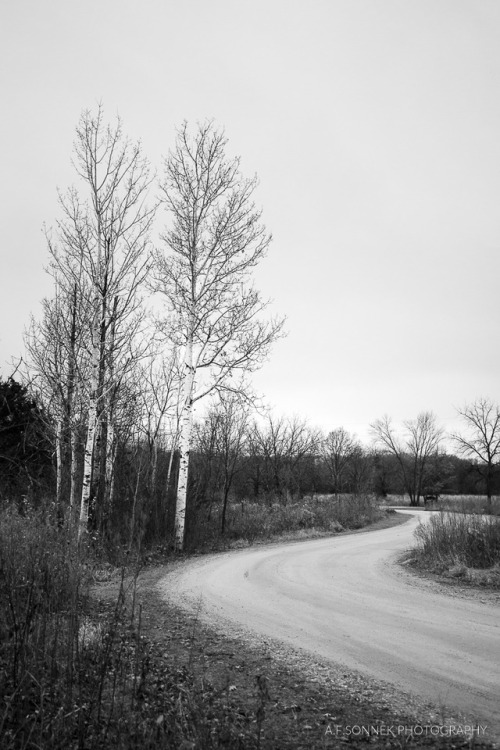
x=374, y=127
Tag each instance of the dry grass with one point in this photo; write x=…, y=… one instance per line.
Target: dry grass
x=461, y=545
x=73, y=675
x=249, y=521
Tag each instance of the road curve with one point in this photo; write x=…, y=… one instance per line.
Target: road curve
x=344, y=600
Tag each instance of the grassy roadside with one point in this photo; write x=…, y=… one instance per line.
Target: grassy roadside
x=249, y=523
x=464, y=547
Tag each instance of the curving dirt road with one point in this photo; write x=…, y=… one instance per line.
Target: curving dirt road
x=345, y=600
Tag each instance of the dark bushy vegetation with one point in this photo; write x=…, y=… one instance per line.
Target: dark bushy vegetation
x=26, y=465
x=76, y=676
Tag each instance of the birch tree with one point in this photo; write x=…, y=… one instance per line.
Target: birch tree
x=57, y=364
x=104, y=237
x=214, y=241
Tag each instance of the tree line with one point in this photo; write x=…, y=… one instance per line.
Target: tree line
x=237, y=459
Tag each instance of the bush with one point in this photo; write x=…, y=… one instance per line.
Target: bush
x=457, y=539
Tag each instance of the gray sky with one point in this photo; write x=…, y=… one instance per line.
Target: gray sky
x=374, y=127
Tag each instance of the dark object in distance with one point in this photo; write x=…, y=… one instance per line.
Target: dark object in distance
x=431, y=497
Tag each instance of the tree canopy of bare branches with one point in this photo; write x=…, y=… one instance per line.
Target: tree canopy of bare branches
x=481, y=439
x=413, y=452
x=338, y=449
x=214, y=241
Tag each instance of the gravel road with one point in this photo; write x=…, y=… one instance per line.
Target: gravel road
x=345, y=600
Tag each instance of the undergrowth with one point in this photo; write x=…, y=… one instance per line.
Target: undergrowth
x=73, y=676
x=248, y=522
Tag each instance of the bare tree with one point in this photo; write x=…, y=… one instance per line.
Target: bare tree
x=215, y=240
x=104, y=237
x=338, y=448
x=413, y=452
x=481, y=442
x=159, y=397
x=57, y=365
x=230, y=418
x=283, y=444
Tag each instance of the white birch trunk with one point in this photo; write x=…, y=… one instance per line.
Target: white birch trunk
x=110, y=447
x=59, y=463
x=94, y=391
x=92, y=426
x=173, y=448
x=87, y=466
x=110, y=466
x=184, y=447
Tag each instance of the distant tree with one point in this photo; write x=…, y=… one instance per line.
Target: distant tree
x=231, y=416
x=481, y=440
x=283, y=446
x=338, y=449
x=214, y=242
x=414, y=452
x=359, y=470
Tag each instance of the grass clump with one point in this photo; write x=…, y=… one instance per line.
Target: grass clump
x=461, y=545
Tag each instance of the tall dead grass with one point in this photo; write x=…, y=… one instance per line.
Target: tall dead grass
x=248, y=522
x=459, y=539
x=75, y=675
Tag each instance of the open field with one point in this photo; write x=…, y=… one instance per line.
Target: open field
x=457, y=503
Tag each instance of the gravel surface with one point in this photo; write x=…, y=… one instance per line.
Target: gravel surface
x=344, y=607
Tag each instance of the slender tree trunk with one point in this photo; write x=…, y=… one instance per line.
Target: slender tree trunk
x=59, y=463
x=154, y=468
x=184, y=447
x=173, y=448
x=87, y=466
x=109, y=471
x=105, y=386
x=108, y=452
x=135, y=501
x=73, y=470
x=74, y=490
x=96, y=374
x=170, y=465
x=227, y=487
x=92, y=428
